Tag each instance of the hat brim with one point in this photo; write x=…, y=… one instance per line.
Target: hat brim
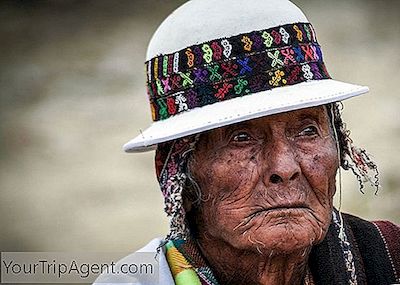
x=278, y=100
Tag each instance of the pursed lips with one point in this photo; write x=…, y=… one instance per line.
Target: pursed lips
x=281, y=207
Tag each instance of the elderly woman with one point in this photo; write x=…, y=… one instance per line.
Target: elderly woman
x=249, y=139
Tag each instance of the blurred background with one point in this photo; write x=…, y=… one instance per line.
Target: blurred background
x=72, y=92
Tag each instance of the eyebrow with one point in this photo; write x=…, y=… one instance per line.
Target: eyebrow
x=311, y=115
x=231, y=128
x=316, y=116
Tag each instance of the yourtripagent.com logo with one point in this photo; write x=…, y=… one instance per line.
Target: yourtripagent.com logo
x=56, y=267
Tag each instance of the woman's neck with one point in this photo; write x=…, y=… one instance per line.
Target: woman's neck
x=233, y=266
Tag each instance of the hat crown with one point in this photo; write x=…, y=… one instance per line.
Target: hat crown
x=199, y=21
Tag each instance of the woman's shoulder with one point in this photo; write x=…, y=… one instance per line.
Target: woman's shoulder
x=130, y=269
x=152, y=246
x=377, y=241
x=365, y=230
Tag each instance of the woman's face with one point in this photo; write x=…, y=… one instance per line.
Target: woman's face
x=267, y=184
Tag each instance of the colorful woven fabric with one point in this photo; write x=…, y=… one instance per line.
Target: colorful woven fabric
x=232, y=67
x=373, y=249
x=187, y=265
x=390, y=235
x=181, y=269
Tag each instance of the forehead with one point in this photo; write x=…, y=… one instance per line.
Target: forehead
x=318, y=114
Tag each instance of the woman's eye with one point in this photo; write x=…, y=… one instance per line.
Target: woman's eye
x=309, y=131
x=242, y=137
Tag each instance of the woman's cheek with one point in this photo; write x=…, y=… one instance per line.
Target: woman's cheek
x=232, y=173
x=319, y=164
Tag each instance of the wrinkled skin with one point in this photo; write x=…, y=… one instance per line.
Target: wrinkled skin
x=267, y=189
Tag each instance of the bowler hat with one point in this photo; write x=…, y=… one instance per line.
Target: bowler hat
x=212, y=63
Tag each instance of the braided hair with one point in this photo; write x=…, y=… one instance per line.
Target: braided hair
x=351, y=157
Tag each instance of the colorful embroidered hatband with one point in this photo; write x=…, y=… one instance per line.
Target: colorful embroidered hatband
x=227, y=68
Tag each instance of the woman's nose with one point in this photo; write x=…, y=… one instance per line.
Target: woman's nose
x=282, y=162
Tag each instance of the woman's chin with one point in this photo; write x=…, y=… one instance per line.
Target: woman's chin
x=283, y=234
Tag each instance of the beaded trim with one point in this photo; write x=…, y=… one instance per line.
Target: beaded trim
x=346, y=247
x=232, y=67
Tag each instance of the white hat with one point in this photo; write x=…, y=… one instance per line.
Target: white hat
x=212, y=63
